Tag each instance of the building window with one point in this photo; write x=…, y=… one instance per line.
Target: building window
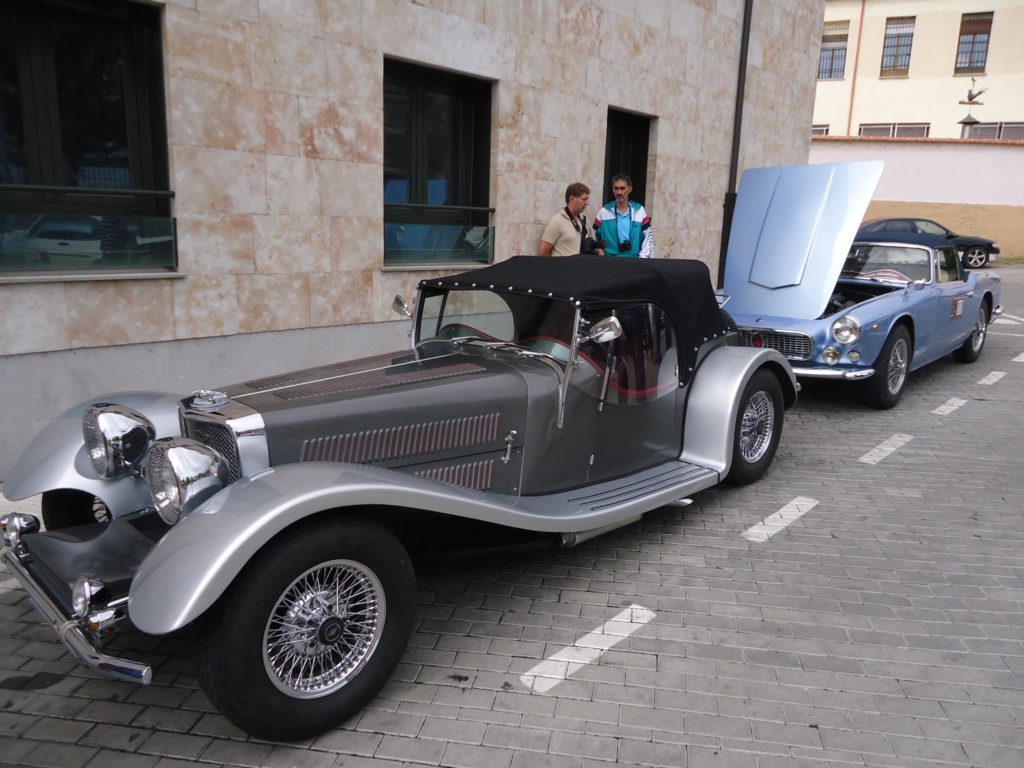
x=819, y=130
x=1004, y=131
x=972, y=49
x=437, y=129
x=626, y=151
x=832, y=61
x=899, y=37
x=895, y=130
x=83, y=148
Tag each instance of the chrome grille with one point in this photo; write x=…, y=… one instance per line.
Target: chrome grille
x=478, y=476
x=793, y=346
x=218, y=436
x=400, y=442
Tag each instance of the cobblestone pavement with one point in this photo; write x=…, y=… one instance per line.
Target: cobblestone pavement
x=884, y=626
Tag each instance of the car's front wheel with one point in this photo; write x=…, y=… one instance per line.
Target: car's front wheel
x=892, y=367
x=758, y=428
x=975, y=257
x=310, y=631
x=970, y=350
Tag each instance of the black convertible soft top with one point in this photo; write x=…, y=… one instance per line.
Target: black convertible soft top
x=681, y=286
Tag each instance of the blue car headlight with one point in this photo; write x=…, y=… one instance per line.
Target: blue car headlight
x=846, y=330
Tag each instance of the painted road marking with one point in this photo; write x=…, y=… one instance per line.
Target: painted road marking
x=884, y=448
x=998, y=333
x=772, y=524
x=992, y=378
x=949, y=406
x=1019, y=358
x=1006, y=321
x=1013, y=317
x=588, y=649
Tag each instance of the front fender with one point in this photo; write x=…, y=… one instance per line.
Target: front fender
x=714, y=399
x=56, y=457
x=196, y=561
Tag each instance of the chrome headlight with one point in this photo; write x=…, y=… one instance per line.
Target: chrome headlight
x=846, y=330
x=182, y=474
x=116, y=438
x=84, y=592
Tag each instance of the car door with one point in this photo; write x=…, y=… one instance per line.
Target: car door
x=958, y=304
x=636, y=417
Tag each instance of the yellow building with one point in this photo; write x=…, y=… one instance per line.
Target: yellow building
x=903, y=68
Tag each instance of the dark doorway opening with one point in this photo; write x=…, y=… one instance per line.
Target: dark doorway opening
x=626, y=146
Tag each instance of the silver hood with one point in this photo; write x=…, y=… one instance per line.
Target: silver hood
x=791, y=231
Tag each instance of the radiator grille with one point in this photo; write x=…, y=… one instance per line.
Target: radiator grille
x=221, y=438
x=477, y=476
x=400, y=442
x=793, y=346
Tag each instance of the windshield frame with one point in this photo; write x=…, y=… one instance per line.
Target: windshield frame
x=877, y=274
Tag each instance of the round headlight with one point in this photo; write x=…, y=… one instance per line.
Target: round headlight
x=116, y=438
x=846, y=330
x=85, y=590
x=831, y=355
x=182, y=474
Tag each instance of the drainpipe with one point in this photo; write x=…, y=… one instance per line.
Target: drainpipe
x=737, y=125
x=856, y=63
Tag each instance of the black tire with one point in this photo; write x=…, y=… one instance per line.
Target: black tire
x=281, y=656
x=758, y=428
x=66, y=508
x=892, y=368
x=970, y=350
x=975, y=256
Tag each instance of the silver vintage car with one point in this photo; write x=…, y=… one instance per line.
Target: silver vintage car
x=541, y=402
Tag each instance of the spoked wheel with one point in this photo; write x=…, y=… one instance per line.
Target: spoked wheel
x=970, y=350
x=975, y=257
x=758, y=428
x=65, y=508
x=892, y=367
x=310, y=631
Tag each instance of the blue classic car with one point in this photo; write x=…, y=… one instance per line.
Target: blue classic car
x=873, y=309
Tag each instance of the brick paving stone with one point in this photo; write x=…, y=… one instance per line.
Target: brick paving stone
x=174, y=745
x=533, y=760
x=52, y=755
x=468, y=756
x=579, y=745
x=291, y=757
x=704, y=757
x=237, y=753
x=649, y=753
x=109, y=758
x=412, y=749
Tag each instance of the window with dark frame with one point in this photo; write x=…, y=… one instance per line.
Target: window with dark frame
x=899, y=38
x=895, y=130
x=436, y=166
x=819, y=130
x=832, y=60
x=972, y=48
x=1003, y=131
x=84, y=181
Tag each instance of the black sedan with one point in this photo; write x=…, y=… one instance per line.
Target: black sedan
x=975, y=252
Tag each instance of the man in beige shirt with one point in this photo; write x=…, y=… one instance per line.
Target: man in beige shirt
x=564, y=233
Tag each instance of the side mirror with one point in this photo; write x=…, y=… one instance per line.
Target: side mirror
x=605, y=330
x=919, y=283
x=401, y=307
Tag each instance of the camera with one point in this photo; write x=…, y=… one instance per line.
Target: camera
x=591, y=245
x=625, y=245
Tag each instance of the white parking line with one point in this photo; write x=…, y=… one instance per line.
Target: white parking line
x=999, y=333
x=1006, y=321
x=588, y=649
x=772, y=524
x=992, y=378
x=1012, y=317
x=884, y=448
x=949, y=406
x=1019, y=358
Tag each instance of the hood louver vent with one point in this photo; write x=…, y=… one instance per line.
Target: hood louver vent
x=478, y=476
x=401, y=442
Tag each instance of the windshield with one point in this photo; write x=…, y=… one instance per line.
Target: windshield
x=530, y=321
x=892, y=263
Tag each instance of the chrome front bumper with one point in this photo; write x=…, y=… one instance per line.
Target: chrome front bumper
x=823, y=372
x=73, y=632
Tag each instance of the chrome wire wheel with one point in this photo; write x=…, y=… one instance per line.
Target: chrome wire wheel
x=756, y=426
x=323, y=629
x=896, y=373
x=980, y=329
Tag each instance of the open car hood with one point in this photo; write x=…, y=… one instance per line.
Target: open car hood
x=791, y=231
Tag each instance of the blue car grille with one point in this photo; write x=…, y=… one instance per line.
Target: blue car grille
x=793, y=346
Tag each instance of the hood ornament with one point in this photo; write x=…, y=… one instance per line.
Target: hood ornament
x=208, y=399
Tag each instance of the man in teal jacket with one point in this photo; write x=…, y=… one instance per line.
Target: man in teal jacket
x=623, y=225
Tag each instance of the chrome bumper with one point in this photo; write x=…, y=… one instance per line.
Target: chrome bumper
x=834, y=373
x=71, y=631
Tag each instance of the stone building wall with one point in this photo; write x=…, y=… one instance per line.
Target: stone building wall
x=275, y=125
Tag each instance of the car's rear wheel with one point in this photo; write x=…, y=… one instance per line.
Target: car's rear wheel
x=892, y=367
x=67, y=507
x=758, y=428
x=310, y=631
x=976, y=256
x=970, y=350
